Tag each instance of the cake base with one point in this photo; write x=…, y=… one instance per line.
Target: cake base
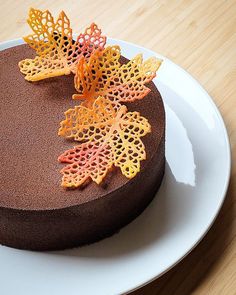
x=36, y=213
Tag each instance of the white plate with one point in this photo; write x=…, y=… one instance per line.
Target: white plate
x=191, y=195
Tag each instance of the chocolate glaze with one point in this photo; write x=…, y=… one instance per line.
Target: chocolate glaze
x=35, y=211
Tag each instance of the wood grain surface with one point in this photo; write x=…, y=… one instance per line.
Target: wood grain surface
x=200, y=36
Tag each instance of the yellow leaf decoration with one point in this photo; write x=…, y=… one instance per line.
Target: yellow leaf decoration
x=57, y=52
x=103, y=75
x=107, y=138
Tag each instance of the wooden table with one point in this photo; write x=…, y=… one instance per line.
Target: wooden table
x=200, y=36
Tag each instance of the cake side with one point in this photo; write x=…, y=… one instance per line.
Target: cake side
x=82, y=224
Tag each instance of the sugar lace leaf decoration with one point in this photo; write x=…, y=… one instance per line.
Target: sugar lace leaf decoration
x=102, y=74
x=57, y=52
x=107, y=138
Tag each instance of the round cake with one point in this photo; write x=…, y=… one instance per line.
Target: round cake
x=36, y=212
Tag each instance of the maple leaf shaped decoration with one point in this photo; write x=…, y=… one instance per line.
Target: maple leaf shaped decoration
x=108, y=138
x=57, y=52
x=103, y=75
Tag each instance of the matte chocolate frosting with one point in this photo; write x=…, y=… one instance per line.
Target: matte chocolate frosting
x=35, y=211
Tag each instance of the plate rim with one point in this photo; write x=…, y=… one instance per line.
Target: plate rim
x=18, y=41
x=229, y=156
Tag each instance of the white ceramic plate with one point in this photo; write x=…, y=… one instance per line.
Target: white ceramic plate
x=192, y=192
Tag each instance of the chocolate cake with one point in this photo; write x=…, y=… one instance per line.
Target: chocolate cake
x=35, y=211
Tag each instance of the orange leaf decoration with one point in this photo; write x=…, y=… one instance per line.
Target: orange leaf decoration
x=107, y=138
x=57, y=52
x=103, y=75
x=88, y=160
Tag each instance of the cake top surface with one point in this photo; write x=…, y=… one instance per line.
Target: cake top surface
x=30, y=116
